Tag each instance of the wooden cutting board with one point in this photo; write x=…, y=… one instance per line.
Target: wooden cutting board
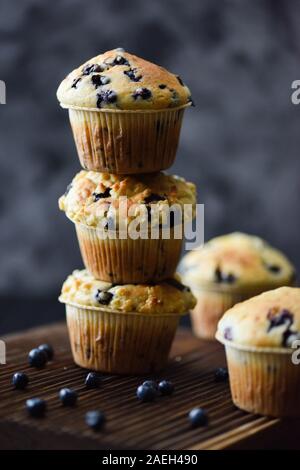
x=162, y=424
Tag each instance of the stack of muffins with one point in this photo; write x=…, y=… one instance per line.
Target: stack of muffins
x=123, y=309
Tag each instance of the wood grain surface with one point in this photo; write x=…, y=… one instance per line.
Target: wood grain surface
x=130, y=424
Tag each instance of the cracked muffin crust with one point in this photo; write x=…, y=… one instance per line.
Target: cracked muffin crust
x=168, y=297
x=237, y=262
x=123, y=81
x=91, y=197
x=271, y=319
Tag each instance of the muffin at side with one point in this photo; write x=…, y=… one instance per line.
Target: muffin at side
x=260, y=337
x=105, y=207
x=125, y=113
x=227, y=270
x=125, y=329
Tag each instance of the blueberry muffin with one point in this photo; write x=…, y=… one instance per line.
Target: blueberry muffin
x=260, y=336
x=125, y=113
x=106, y=207
x=227, y=270
x=126, y=329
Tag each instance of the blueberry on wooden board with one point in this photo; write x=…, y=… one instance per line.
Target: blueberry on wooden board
x=198, y=417
x=68, y=397
x=20, y=380
x=166, y=387
x=48, y=350
x=95, y=419
x=36, y=407
x=150, y=383
x=145, y=393
x=221, y=374
x=37, y=358
x=93, y=380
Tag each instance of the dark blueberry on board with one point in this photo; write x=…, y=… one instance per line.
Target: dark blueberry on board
x=142, y=93
x=180, y=80
x=283, y=317
x=120, y=60
x=274, y=268
x=145, y=393
x=103, y=297
x=178, y=285
x=162, y=86
x=95, y=420
x=221, y=374
x=37, y=358
x=36, y=407
x=20, y=380
x=68, y=397
x=150, y=383
x=198, y=417
x=228, y=333
x=47, y=348
x=131, y=74
x=75, y=82
x=153, y=198
x=93, y=380
x=166, y=387
x=106, y=97
x=103, y=195
x=100, y=80
x=91, y=68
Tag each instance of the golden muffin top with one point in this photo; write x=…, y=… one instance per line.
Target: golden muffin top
x=95, y=198
x=119, y=80
x=271, y=319
x=237, y=262
x=80, y=288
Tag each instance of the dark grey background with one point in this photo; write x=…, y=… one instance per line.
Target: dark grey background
x=240, y=144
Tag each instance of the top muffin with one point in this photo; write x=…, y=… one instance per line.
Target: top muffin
x=271, y=319
x=237, y=262
x=119, y=80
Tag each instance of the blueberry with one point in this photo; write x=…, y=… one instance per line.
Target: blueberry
x=162, y=86
x=150, y=383
x=105, y=194
x=228, y=333
x=90, y=68
x=36, y=407
x=106, y=97
x=68, y=397
x=120, y=60
x=274, y=268
x=75, y=82
x=283, y=317
x=198, y=417
x=225, y=278
x=48, y=350
x=99, y=80
x=131, y=73
x=37, y=358
x=165, y=387
x=145, y=393
x=20, y=380
x=95, y=419
x=103, y=297
x=221, y=374
x=142, y=93
x=93, y=380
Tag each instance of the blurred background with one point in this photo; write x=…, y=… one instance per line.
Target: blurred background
x=240, y=144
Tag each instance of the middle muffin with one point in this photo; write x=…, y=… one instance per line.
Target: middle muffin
x=129, y=228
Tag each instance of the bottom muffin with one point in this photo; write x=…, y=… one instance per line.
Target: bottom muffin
x=125, y=329
x=262, y=340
